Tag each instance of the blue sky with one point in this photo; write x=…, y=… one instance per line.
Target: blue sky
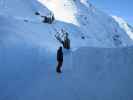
x=122, y=8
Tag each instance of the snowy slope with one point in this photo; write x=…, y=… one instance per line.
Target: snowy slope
x=96, y=26
x=88, y=73
x=22, y=8
x=64, y=10
x=28, y=53
x=80, y=19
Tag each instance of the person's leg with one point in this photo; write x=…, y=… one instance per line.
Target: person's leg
x=58, y=67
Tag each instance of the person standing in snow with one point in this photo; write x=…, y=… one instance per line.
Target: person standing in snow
x=59, y=59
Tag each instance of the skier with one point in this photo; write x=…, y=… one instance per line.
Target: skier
x=59, y=59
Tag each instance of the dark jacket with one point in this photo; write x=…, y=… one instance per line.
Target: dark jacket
x=60, y=55
x=66, y=43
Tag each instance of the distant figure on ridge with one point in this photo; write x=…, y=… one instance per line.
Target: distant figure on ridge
x=66, y=42
x=59, y=59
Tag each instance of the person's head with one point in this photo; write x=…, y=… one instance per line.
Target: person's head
x=60, y=48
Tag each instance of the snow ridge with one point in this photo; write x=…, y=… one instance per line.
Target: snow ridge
x=125, y=26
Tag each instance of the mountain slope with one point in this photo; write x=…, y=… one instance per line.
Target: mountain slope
x=91, y=27
x=22, y=8
x=96, y=26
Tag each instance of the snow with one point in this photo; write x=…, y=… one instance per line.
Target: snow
x=97, y=67
x=22, y=8
x=86, y=20
x=64, y=10
x=90, y=22
x=95, y=73
x=125, y=26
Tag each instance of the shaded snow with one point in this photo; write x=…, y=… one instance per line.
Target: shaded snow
x=88, y=73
